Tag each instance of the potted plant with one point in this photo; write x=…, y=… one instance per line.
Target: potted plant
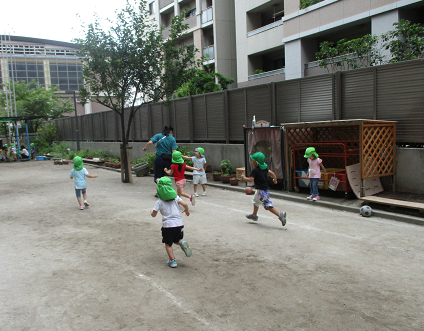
x=217, y=176
x=227, y=168
x=234, y=181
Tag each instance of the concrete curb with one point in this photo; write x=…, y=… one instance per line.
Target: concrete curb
x=321, y=203
x=332, y=205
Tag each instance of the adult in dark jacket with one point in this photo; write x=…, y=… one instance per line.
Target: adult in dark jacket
x=165, y=146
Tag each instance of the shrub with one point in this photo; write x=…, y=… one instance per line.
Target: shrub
x=226, y=167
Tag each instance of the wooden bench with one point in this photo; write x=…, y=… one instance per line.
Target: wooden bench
x=395, y=203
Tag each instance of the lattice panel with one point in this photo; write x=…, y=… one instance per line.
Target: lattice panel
x=378, y=150
x=345, y=134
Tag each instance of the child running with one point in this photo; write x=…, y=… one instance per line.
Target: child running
x=314, y=172
x=172, y=222
x=178, y=168
x=259, y=176
x=79, y=172
x=199, y=175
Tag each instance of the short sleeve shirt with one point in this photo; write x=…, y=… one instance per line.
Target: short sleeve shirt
x=314, y=168
x=198, y=163
x=170, y=210
x=80, y=182
x=260, y=177
x=178, y=175
x=165, y=145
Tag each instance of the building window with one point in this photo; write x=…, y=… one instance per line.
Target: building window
x=190, y=12
x=152, y=8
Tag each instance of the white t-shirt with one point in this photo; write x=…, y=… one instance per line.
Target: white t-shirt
x=198, y=163
x=170, y=210
x=25, y=152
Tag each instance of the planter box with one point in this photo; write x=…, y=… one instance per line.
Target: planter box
x=226, y=179
x=216, y=177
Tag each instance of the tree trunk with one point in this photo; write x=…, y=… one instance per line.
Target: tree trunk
x=126, y=172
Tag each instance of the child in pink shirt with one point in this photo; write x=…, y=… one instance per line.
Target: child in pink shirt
x=314, y=172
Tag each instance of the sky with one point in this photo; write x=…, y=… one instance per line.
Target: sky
x=47, y=19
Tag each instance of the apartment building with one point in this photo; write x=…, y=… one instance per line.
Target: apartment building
x=277, y=41
x=211, y=29
x=48, y=62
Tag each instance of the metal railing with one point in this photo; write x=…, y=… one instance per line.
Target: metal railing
x=208, y=52
x=265, y=28
x=267, y=74
x=207, y=15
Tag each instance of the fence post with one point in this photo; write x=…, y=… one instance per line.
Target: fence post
x=273, y=112
x=190, y=118
x=226, y=117
x=374, y=115
x=149, y=122
x=298, y=101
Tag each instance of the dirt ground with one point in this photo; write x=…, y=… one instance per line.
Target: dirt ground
x=104, y=268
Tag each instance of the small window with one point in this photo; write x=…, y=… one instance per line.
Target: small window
x=190, y=12
x=152, y=8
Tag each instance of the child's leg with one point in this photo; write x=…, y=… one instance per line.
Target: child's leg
x=204, y=187
x=274, y=211
x=84, y=194
x=80, y=201
x=195, y=188
x=78, y=195
x=180, y=192
x=170, y=252
x=255, y=210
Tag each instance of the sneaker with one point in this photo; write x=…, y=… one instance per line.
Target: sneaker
x=311, y=197
x=316, y=198
x=283, y=217
x=252, y=217
x=81, y=207
x=186, y=248
x=204, y=193
x=195, y=194
x=86, y=203
x=192, y=200
x=172, y=264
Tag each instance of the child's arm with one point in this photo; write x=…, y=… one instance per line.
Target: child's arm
x=91, y=176
x=323, y=168
x=153, y=213
x=247, y=179
x=193, y=168
x=186, y=157
x=185, y=205
x=274, y=177
x=170, y=172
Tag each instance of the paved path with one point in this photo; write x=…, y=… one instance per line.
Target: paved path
x=104, y=268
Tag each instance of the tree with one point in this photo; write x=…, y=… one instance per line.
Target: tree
x=177, y=61
x=202, y=81
x=131, y=61
x=349, y=54
x=405, y=42
x=306, y=3
x=33, y=99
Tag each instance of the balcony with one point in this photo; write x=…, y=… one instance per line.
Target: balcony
x=265, y=28
x=267, y=74
x=208, y=53
x=207, y=15
x=164, y=3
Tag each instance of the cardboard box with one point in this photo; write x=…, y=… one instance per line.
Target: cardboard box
x=239, y=172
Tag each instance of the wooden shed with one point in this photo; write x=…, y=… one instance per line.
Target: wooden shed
x=371, y=143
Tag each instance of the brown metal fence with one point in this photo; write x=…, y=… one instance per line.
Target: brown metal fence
x=390, y=92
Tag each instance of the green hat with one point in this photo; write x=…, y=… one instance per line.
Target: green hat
x=78, y=164
x=260, y=158
x=309, y=152
x=200, y=150
x=5, y=145
x=165, y=190
x=13, y=145
x=176, y=157
x=32, y=144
